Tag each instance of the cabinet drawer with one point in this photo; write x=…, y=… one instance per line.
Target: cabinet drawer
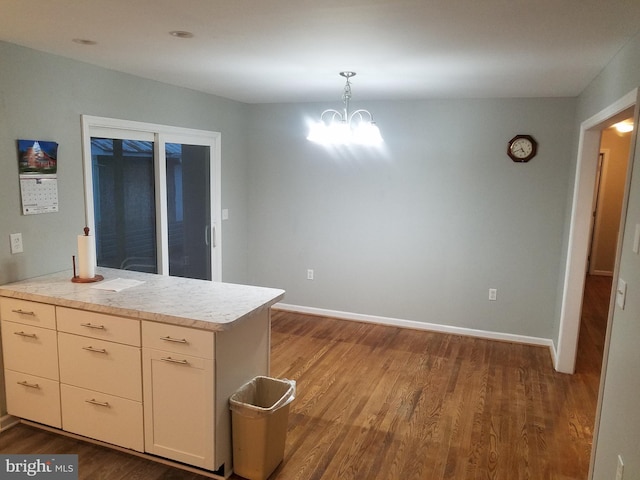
x=173, y=338
x=30, y=313
x=33, y=398
x=102, y=366
x=28, y=349
x=104, y=417
x=99, y=325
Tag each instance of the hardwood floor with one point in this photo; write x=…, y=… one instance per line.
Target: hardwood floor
x=379, y=402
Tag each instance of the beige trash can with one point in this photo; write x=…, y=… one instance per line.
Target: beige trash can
x=259, y=420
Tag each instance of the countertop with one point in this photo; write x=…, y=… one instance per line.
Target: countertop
x=214, y=306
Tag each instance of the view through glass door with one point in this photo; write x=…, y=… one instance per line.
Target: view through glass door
x=189, y=210
x=153, y=197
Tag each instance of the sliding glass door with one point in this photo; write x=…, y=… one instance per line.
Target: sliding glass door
x=189, y=210
x=124, y=203
x=153, y=197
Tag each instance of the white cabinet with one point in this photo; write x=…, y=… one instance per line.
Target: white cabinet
x=179, y=393
x=138, y=369
x=30, y=353
x=101, y=416
x=34, y=398
x=101, y=377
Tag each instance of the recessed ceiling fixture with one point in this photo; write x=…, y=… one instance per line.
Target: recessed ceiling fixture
x=84, y=41
x=343, y=128
x=181, y=34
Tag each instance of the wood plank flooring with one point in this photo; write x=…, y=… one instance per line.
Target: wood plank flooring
x=383, y=403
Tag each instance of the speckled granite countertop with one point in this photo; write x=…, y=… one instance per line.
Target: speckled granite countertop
x=202, y=304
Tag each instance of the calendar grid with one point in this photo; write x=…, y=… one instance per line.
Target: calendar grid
x=39, y=194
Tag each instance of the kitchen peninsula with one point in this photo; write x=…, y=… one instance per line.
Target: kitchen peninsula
x=148, y=369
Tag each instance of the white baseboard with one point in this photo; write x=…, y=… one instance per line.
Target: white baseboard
x=8, y=421
x=433, y=327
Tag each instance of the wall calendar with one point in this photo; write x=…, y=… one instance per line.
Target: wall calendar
x=38, y=166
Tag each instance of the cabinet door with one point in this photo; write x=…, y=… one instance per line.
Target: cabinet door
x=179, y=407
x=27, y=312
x=106, y=367
x=103, y=417
x=31, y=350
x=33, y=398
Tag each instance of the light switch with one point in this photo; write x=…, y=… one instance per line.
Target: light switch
x=621, y=293
x=636, y=239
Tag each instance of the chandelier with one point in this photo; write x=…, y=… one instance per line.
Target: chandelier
x=344, y=128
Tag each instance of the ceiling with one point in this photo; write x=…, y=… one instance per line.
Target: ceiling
x=266, y=51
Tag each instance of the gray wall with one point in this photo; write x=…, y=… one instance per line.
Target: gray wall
x=422, y=230
x=619, y=430
x=42, y=97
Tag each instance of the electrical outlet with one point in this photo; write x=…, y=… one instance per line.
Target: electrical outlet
x=16, y=243
x=493, y=294
x=620, y=469
x=309, y=274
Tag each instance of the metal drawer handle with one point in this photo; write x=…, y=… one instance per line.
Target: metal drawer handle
x=173, y=360
x=24, y=312
x=90, y=325
x=93, y=401
x=176, y=340
x=29, y=335
x=27, y=384
x=93, y=349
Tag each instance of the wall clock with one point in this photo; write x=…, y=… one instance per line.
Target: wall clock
x=522, y=148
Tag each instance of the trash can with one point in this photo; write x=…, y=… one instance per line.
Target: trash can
x=259, y=419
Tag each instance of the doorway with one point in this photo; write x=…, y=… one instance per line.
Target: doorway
x=611, y=175
x=615, y=145
x=580, y=226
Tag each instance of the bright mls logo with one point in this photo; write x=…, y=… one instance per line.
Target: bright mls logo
x=50, y=467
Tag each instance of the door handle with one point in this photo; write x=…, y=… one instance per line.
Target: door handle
x=173, y=360
x=91, y=325
x=210, y=235
x=29, y=335
x=93, y=349
x=24, y=383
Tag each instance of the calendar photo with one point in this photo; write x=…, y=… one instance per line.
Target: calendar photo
x=37, y=156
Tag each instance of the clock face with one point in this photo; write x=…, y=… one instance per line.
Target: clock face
x=522, y=148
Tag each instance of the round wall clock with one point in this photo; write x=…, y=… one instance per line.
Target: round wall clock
x=522, y=148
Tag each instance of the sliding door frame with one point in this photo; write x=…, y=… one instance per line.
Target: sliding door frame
x=160, y=135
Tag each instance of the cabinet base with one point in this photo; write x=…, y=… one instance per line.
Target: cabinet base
x=8, y=421
x=153, y=458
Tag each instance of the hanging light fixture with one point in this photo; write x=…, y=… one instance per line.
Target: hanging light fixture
x=343, y=128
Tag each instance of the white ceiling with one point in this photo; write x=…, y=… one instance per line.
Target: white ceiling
x=264, y=51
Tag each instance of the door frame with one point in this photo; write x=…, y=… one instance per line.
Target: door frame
x=160, y=135
x=579, y=232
